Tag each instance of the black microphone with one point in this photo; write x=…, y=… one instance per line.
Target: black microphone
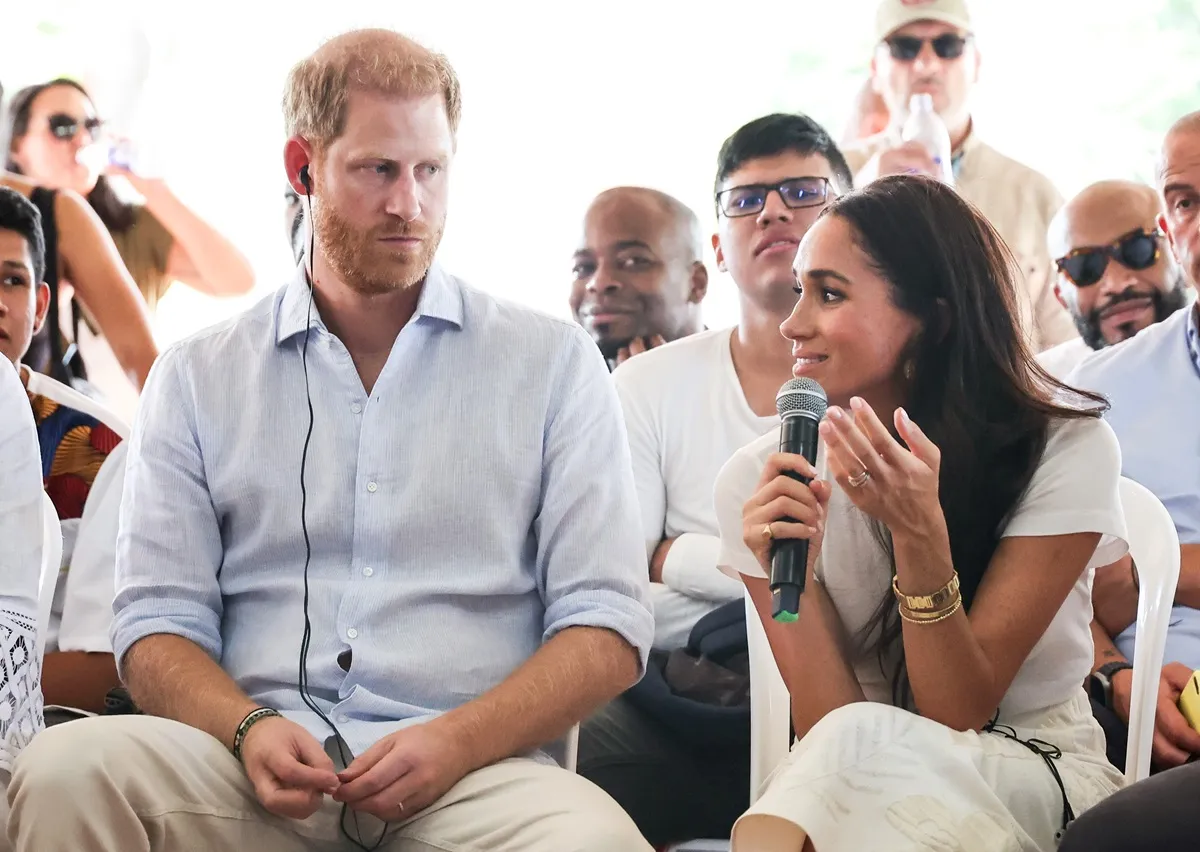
x=801, y=404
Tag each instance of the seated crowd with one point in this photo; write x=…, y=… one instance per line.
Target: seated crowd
x=374, y=549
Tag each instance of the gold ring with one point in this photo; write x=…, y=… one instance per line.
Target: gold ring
x=859, y=479
x=767, y=534
x=400, y=807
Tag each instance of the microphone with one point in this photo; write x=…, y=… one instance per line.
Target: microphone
x=801, y=404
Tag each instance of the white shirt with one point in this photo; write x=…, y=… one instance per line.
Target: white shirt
x=21, y=505
x=81, y=614
x=1075, y=489
x=686, y=414
x=1060, y=360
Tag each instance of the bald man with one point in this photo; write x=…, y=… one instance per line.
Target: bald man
x=638, y=276
x=1152, y=383
x=1115, y=273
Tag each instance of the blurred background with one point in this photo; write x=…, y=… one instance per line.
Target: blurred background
x=560, y=103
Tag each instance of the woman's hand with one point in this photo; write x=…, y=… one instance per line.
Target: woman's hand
x=783, y=508
x=894, y=485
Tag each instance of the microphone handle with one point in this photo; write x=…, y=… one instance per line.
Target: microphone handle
x=789, y=557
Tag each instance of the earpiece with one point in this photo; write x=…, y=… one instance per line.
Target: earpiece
x=304, y=179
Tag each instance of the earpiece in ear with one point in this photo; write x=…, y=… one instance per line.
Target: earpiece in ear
x=304, y=179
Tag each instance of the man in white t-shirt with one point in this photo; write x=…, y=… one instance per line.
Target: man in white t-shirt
x=688, y=407
x=83, y=470
x=637, y=274
x=928, y=47
x=1115, y=273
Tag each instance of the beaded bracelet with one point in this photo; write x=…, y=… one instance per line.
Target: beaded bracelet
x=252, y=719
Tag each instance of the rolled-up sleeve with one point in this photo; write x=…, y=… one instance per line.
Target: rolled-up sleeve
x=591, y=557
x=169, y=542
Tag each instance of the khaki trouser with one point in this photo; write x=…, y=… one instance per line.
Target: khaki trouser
x=138, y=783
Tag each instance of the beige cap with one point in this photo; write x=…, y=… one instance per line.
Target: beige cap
x=894, y=14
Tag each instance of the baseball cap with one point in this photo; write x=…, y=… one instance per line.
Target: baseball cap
x=894, y=14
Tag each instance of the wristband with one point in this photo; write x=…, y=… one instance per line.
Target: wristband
x=252, y=719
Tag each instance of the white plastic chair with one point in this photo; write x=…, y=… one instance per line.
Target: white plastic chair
x=52, y=545
x=770, y=720
x=565, y=751
x=1154, y=545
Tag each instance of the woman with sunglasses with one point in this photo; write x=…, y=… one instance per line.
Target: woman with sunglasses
x=959, y=504
x=58, y=140
x=86, y=257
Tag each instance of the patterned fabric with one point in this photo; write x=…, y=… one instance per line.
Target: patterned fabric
x=74, y=445
x=20, y=685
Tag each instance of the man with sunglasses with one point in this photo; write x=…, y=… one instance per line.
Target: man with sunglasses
x=927, y=47
x=1115, y=273
x=1152, y=383
x=688, y=407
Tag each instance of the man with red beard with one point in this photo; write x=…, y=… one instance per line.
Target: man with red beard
x=367, y=571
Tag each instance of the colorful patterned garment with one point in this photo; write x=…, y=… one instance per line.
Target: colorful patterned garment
x=74, y=446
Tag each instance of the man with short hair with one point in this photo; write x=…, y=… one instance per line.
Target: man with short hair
x=689, y=406
x=1116, y=274
x=367, y=571
x=83, y=467
x=928, y=47
x=1152, y=383
x=638, y=273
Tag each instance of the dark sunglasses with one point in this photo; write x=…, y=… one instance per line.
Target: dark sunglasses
x=796, y=193
x=365, y=831
x=65, y=126
x=1138, y=249
x=907, y=48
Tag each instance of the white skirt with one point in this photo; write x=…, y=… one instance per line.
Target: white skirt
x=874, y=778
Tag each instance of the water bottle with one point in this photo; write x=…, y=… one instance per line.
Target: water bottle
x=924, y=125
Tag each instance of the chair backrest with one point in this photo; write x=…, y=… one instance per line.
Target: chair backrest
x=52, y=545
x=770, y=706
x=565, y=750
x=1154, y=545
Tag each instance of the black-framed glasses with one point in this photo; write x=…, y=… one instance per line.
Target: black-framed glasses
x=905, y=48
x=64, y=126
x=365, y=831
x=1136, y=250
x=797, y=193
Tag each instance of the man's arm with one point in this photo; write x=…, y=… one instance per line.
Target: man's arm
x=1188, y=591
x=578, y=670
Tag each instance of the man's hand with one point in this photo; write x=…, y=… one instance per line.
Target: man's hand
x=659, y=560
x=406, y=772
x=908, y=158
x=1174, y=739
x=1114, y=598
x=637, y=346
x=287, y=766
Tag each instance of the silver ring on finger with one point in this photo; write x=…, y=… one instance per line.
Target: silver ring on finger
x=859, y=479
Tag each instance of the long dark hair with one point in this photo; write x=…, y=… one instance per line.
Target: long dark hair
x=973, y=383
x=116, y=213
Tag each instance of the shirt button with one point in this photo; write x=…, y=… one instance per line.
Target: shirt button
x=372, y=487
x=343, y=718
x=351, y=633
x=356, y=408
x=367, y=572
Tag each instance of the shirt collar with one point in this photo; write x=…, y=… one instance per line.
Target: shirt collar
x=1193, y=335
x=968, y=145
x=441, y=301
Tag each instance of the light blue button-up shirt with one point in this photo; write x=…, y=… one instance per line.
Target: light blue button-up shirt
x=476, y=503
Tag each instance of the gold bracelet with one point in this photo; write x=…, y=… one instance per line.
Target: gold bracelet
x=936, y=602
x=934, y=618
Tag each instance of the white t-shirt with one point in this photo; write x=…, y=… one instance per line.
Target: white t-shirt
x=1075, y=489
x=81, y=614
x=686, y=414
x=1060, y=360
x=21, y=507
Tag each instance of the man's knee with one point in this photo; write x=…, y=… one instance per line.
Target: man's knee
x=593, y=822
x=62, y=758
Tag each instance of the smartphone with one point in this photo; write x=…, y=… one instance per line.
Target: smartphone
x=1189, y=701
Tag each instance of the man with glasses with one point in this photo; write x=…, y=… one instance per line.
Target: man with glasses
x=927, y=47
x=638, y=276
x=688, y=407
x=1115, y=273
x=1152, y=383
